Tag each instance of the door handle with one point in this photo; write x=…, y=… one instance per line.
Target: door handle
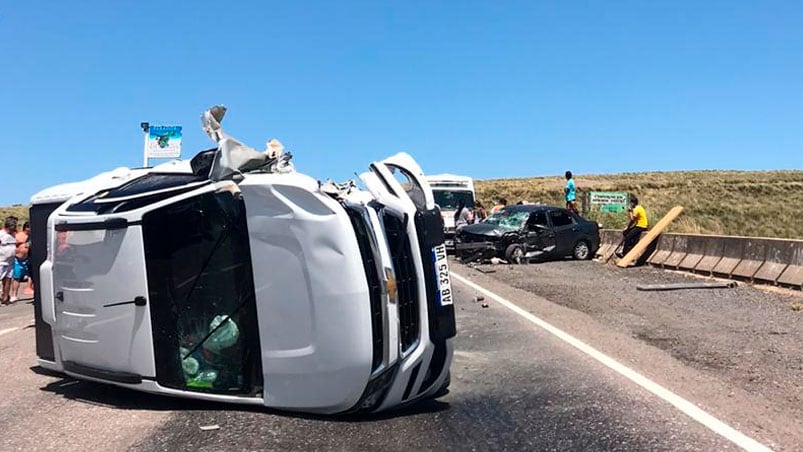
x=137, y=301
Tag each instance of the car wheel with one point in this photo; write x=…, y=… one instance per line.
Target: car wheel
x=515, y=254
x=581, y=251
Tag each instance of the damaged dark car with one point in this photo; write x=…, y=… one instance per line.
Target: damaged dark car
x=519, y=234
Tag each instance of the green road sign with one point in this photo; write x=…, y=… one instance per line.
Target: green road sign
x=608, y=201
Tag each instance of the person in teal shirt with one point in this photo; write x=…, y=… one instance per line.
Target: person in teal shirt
x=569, y=192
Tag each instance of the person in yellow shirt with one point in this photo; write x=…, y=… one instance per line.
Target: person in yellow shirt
x=637, y=225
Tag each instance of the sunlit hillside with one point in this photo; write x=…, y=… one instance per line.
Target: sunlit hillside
x=754, y=203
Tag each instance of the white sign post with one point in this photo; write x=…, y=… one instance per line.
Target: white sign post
x=161, y=142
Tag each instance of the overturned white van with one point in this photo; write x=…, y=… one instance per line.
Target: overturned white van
x=234, y=278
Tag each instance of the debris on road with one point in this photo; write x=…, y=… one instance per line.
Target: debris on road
x=206, y=428
x=484, y=304
x=478, y=298
x=681, y=286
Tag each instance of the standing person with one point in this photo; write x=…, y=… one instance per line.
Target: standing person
x=479, y=212
x=21, y=270
x=462, y=216
x=569, y=193
x=8, y=248
x=500, y=206
x=638, y=224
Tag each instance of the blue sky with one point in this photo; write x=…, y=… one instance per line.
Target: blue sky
x=488, y=89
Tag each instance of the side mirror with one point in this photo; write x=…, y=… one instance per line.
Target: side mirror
x=210, y=121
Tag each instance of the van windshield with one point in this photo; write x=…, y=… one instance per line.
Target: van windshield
x=448, y=199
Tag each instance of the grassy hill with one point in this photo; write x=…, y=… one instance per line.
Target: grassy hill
x=751, y=203
x=756, y=203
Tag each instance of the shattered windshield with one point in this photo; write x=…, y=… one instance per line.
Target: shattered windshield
x=446, y=199
x=508, y=220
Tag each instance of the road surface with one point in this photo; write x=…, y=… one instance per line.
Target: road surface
x=515, y=386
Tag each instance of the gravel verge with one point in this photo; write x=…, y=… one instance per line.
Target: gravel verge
x=746, y=336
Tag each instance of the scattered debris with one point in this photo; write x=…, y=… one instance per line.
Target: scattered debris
x=496, y=261
x=484, y=304
x=681, y=286
x=206, y=428
x=480, y=298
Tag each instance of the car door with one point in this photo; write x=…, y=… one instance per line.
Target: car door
x=566, y=231
x=540, y=235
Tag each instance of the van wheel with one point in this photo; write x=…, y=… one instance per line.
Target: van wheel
x=581, y=251
x=515, y=254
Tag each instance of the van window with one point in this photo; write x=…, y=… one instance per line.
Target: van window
x=447, y=199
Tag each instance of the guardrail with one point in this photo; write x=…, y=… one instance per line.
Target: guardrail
x=754, y=259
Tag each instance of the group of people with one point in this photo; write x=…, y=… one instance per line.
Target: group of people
x=15, y=246
x=464, y=215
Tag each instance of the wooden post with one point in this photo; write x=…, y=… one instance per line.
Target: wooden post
x=632, y=256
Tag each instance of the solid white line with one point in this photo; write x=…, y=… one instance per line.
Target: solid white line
x=691, y=410
x=7, y=330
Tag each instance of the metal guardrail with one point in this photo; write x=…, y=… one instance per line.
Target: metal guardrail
x=754, y=259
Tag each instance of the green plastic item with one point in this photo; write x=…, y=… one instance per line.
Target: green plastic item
x=224, y=337
x=204, y=380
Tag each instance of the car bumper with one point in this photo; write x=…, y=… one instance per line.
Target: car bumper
x=477, y=250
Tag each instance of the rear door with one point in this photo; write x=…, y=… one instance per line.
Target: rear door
x=103, y=324
x=566, y=231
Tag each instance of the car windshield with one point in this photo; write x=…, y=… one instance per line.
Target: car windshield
x=446, y=199
x=508, y=220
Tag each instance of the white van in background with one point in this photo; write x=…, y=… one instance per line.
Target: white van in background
x=449, y=190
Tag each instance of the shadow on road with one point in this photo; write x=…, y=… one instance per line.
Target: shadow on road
x=127, y=399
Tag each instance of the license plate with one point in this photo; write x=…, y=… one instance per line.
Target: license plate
x=444, y=281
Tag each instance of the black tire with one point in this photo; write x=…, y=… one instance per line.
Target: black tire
x=514, y=254
x=581, y=251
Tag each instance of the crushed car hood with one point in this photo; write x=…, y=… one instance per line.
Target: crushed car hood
x=485, y=229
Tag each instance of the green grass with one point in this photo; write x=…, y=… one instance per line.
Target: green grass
x=749, y=203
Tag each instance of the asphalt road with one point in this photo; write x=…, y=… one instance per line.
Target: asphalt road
x=514, y=387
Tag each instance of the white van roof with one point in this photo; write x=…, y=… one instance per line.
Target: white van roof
x=454, y=181
x=108, y=179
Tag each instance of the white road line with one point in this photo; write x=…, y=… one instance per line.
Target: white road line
x=7, y=330
x=690, y=409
